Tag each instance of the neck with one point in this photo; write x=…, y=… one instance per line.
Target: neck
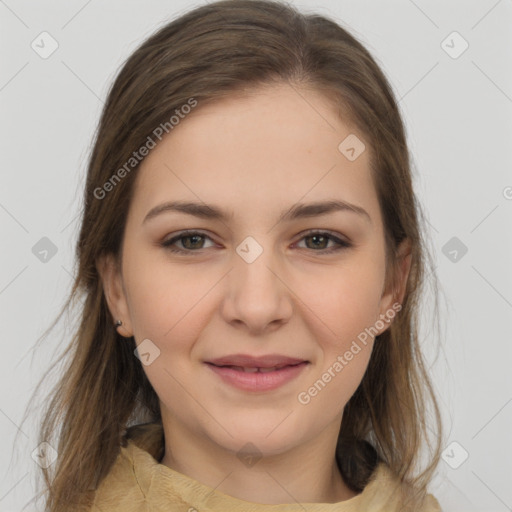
x=304, y=474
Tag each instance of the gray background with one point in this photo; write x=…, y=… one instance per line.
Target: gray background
x=458, y=113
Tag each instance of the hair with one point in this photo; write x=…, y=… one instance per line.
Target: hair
x=211, y=53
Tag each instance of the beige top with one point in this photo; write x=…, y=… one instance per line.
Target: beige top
x=137, y=482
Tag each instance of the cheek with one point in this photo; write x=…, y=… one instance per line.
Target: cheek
x=167, y=303
x=344, y=302
x=170, y=307
x=342, y=306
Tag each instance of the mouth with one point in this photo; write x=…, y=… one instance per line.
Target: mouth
x=264, y=373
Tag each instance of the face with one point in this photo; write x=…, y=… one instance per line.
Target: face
x=267, y=282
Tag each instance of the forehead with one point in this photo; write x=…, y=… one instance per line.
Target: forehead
x=269, y=146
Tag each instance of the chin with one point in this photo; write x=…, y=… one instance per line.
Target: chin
x=265, y=434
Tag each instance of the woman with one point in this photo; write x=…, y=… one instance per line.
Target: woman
x=251, y=259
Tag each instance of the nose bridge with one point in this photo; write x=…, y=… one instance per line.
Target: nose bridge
x=256, y=295
x=253, y=262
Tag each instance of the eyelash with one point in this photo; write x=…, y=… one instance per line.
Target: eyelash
x=342, y=244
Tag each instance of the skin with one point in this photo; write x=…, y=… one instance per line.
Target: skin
x=254, y=156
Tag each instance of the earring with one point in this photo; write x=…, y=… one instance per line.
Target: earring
x=118, y=323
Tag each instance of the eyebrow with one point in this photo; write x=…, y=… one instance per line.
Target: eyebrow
x=297, y=211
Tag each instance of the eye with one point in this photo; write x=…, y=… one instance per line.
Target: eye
x=193, y=241
x=190, y=240
x=320, y=239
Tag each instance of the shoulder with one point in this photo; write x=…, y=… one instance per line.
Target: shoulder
x=385, y=492
x=127, y=484
x=120, y=490
x=431, y=504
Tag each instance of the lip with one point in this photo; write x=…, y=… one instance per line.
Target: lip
x=230, y=370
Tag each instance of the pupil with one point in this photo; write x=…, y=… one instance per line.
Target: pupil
x=317, y=238
x=191, y=237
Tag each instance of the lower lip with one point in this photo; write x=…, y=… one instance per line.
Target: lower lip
x=258, y=381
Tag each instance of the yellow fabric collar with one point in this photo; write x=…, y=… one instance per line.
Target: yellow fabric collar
x=137, y=482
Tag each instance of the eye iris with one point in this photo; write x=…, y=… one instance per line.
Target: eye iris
x=317, y=237
x=188, y=238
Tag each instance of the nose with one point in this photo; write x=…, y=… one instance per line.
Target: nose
x=257, y=298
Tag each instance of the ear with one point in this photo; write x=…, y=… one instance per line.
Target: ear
x=395, y=291
x=113, y=288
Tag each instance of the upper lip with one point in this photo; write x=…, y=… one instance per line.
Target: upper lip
x=247, y=361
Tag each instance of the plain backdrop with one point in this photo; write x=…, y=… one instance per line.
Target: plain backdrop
x=449, y=63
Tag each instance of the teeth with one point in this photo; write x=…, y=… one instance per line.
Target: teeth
x=265, y=370
x=253, y=370
x=249, y=370
x=256, y=369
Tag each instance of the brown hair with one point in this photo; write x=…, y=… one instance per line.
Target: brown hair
x=210, y=53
